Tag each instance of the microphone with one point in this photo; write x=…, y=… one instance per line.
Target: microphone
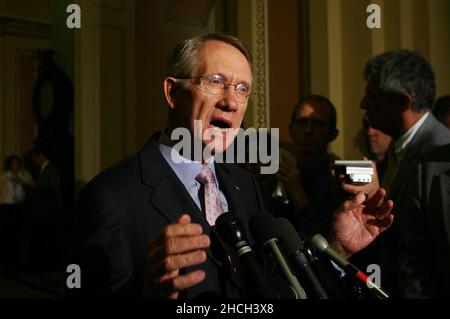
x=327, y=275
x=321, y=244
x=232, y=235
x=293, y=247
x=261, y=227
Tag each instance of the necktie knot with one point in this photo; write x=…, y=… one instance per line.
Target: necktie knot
x=205, y=176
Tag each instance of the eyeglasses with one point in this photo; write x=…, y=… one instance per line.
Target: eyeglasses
x=216, y=84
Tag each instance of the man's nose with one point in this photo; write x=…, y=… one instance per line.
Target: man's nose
x=307, y=127
x=371, y=131
x=229, y=100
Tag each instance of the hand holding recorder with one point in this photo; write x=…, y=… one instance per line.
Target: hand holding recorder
x=357, y=176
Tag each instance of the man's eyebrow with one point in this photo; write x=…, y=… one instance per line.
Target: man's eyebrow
x=246, y=83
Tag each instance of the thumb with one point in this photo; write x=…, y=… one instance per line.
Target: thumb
x=360, y=198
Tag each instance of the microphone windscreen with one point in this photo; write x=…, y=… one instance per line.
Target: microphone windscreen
x=319, y=242
x=262, y=227
x=229, y=229
x=289, y=238
x=225, y=219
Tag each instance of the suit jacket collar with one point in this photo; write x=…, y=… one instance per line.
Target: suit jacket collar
x=157, y=174
x=413, y=150
x=168, y=194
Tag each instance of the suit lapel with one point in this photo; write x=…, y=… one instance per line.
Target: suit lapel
x=168, y=194
x=178, y=202
x=232, y=191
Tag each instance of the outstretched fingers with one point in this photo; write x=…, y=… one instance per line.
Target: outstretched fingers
x=178, y=246
x=171, y=285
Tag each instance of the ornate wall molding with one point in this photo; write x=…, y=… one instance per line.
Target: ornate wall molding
x=260, y=47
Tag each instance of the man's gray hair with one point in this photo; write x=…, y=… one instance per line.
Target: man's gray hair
x=401, y=71
x=184, y=56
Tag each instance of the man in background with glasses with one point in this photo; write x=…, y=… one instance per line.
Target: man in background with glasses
x=309, y=183
x=144, y=225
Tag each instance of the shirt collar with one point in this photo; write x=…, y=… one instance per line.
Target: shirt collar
x=186, y=169
x=43, y=166
x=401, y=143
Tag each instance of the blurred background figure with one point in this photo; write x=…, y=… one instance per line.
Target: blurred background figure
x=30, y=209
x=13, y=181
x=441, y=110
x=48, y=177
x=13, y=197
x=275, y=196
x=40, y=228
x=376, y=142
x=310, y=184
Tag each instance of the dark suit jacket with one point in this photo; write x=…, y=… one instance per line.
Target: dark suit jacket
x=49, y=179
x=124, y=207
x=384, y=251
x=425, y=235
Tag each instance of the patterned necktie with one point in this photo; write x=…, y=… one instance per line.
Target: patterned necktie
x=213, y=205
x=391, y=170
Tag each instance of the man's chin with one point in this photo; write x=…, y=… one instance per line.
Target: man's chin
x=217, y=146
x=307, y=148
x=220, y=141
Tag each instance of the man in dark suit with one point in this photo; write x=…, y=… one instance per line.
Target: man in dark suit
x=399, y=96
x=145, y=226
x=48, y=177
x=425, y=242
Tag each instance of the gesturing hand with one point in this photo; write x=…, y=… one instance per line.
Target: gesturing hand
x=359, y=221
x=177, y=246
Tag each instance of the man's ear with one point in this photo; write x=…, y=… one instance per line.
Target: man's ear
x=333, y=135
x=406, y=101
x=170, y=85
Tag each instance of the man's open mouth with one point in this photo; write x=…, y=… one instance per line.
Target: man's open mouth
x=220, y=123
